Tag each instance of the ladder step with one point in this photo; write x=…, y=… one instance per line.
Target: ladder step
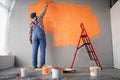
x=95, y=59
x=87, y=43
x=81, y=46
x=83, y=35
x=90, y=56
x=90, y=51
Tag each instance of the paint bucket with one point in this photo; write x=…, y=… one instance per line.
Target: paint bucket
x=23, y=72
x=57, y=72
x=45, y=69
x=94, y=71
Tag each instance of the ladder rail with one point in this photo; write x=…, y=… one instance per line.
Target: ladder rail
x=91, y=48
x=76, y=52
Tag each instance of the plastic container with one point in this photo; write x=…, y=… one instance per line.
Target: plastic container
x=57, y=72
x=94, y=71
x=23, y=72
x=45, y=69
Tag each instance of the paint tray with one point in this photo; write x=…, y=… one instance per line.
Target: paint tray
x=69, y=70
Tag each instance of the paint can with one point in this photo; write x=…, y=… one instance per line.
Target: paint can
x=57, y=72
x=23, y=72
x=94, y=71
x=45, y=69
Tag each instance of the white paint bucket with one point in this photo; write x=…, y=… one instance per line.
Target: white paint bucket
x=94, y=71
x=23, y=72
x=57, y=73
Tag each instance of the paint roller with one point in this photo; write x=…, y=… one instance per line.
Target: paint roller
x=48, y=1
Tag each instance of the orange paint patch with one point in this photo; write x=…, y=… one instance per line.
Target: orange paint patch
x=92, y=70
x=63, y=20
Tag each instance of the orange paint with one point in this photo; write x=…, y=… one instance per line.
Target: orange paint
x=63, y=21
x=92, y=70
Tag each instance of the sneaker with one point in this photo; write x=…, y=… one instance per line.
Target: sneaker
x=41, y=66
x=35, y=67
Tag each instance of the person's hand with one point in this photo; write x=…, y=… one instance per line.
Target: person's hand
x=30, y=41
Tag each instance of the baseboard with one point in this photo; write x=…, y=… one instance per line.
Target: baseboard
x=7, y=61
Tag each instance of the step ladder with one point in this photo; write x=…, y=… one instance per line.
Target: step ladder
x=88, y=45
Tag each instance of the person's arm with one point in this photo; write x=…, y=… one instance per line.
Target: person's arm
x=30, y=32
x=43, y=12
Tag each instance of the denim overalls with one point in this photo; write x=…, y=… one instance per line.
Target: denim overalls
x=38, y=39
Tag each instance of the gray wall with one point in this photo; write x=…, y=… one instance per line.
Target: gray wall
x=6, y=62
x=61, y=56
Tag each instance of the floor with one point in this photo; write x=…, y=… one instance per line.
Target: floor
x=80, y=74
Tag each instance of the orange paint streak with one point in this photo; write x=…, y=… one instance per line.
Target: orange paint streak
x=63, y=20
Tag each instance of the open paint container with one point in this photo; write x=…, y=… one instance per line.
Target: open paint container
x=69, y=70
x=94, y=71
x=57, y=72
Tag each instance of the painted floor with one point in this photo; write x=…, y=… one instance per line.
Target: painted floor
x=80, y=74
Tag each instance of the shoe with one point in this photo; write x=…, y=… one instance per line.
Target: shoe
x=41, y=66
x=35, y=67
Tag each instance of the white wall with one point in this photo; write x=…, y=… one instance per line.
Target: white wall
x=115, y=24
x=61, y=56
